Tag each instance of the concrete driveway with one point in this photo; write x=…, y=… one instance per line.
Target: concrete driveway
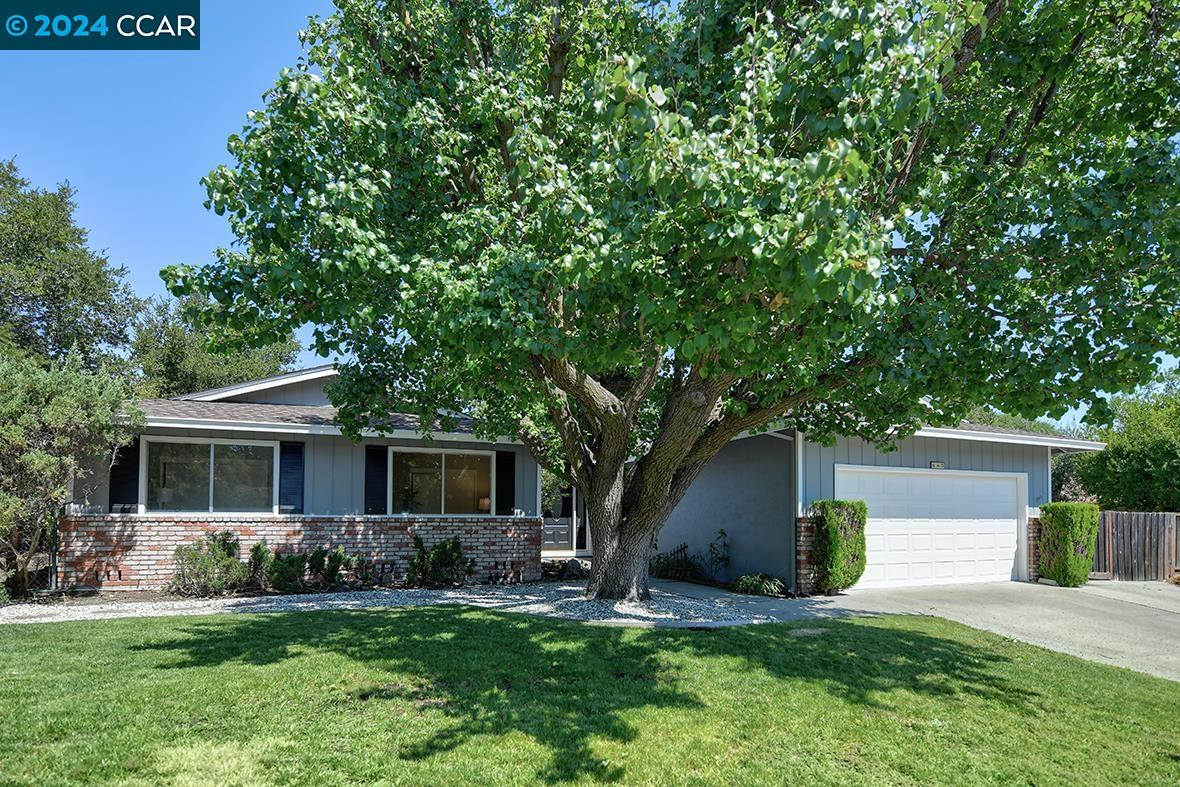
x=1128, y=624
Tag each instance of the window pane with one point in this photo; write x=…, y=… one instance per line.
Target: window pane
x=417, y=483
x=243, y=477
x=468, y=484
x=178, y=477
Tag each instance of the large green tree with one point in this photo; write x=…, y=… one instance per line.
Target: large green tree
x=56, y=293
x=173, y=355
x=1139, y=470
x=628, y=232
x=59, y=424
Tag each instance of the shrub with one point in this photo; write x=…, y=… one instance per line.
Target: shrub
x=839, y=542
x=287, y=573
x=677, y=564
x=442, y=564
x=324, y=566
x=717, y=556
x=4, y=598
x=759, y=584
x=316, y=562
x=258, y=566
x=338, y=560
x=210, y=567
x=1065, y=547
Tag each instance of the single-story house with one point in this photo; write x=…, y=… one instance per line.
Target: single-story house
x=266, y=459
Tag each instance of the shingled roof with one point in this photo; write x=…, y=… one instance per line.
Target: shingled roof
x=970, y=427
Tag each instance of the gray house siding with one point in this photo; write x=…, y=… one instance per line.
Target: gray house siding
x=334, y=468
x=747, y=490
x=310, y=392
x=819, y=462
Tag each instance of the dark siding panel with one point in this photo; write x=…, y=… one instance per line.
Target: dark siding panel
x=291, y=478
x=124, y=497
x=376, y=479
x=505, y=482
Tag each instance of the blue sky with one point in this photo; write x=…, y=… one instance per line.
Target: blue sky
x=134, y=132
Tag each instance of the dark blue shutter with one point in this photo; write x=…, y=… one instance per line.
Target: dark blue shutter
x=505, y=483
x=124, y=487
x=376, y=479
x=291, y=478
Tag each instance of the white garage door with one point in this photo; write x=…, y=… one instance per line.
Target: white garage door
x=933, y=527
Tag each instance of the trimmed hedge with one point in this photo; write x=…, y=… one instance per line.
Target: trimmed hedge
x=839, y=542
x=1065, y=547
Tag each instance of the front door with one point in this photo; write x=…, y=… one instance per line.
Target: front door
x=563, y=523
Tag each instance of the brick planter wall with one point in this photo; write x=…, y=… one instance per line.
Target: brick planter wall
x=805, y=573
x=134, y=552
x=1034, y=533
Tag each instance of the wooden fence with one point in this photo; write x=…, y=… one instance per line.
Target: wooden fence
x=1136, y=546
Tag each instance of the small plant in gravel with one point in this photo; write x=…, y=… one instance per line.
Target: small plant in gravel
x=209, y=567
x=759, y=584
x=443, y=564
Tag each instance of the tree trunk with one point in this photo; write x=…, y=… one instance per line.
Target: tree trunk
x=618, y=568
x=18, y=583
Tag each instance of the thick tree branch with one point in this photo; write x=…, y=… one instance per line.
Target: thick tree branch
x=592, y=395
x=578, y=454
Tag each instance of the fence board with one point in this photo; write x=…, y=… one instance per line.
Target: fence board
x=1137, y=545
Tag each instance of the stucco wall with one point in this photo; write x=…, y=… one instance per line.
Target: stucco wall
x=334, y=469
x=748, y=490
x=819, y=462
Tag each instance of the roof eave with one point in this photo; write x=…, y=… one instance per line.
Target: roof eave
x=278, y=427
x=1051, y=441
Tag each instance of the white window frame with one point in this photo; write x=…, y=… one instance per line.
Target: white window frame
x=146, y=440
x=397, y=449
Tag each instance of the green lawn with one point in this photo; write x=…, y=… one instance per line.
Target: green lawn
x=449, y=694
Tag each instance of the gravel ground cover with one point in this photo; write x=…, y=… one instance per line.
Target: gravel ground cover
x=553, y=599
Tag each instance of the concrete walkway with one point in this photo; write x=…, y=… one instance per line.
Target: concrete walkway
x=1127, y=624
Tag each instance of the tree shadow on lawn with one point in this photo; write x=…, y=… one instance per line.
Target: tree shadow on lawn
x=564, y=684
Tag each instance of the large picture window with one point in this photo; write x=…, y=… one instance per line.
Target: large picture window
x=219, y=477
x=441, y=482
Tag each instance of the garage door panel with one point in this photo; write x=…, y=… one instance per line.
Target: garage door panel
x=934, y=528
